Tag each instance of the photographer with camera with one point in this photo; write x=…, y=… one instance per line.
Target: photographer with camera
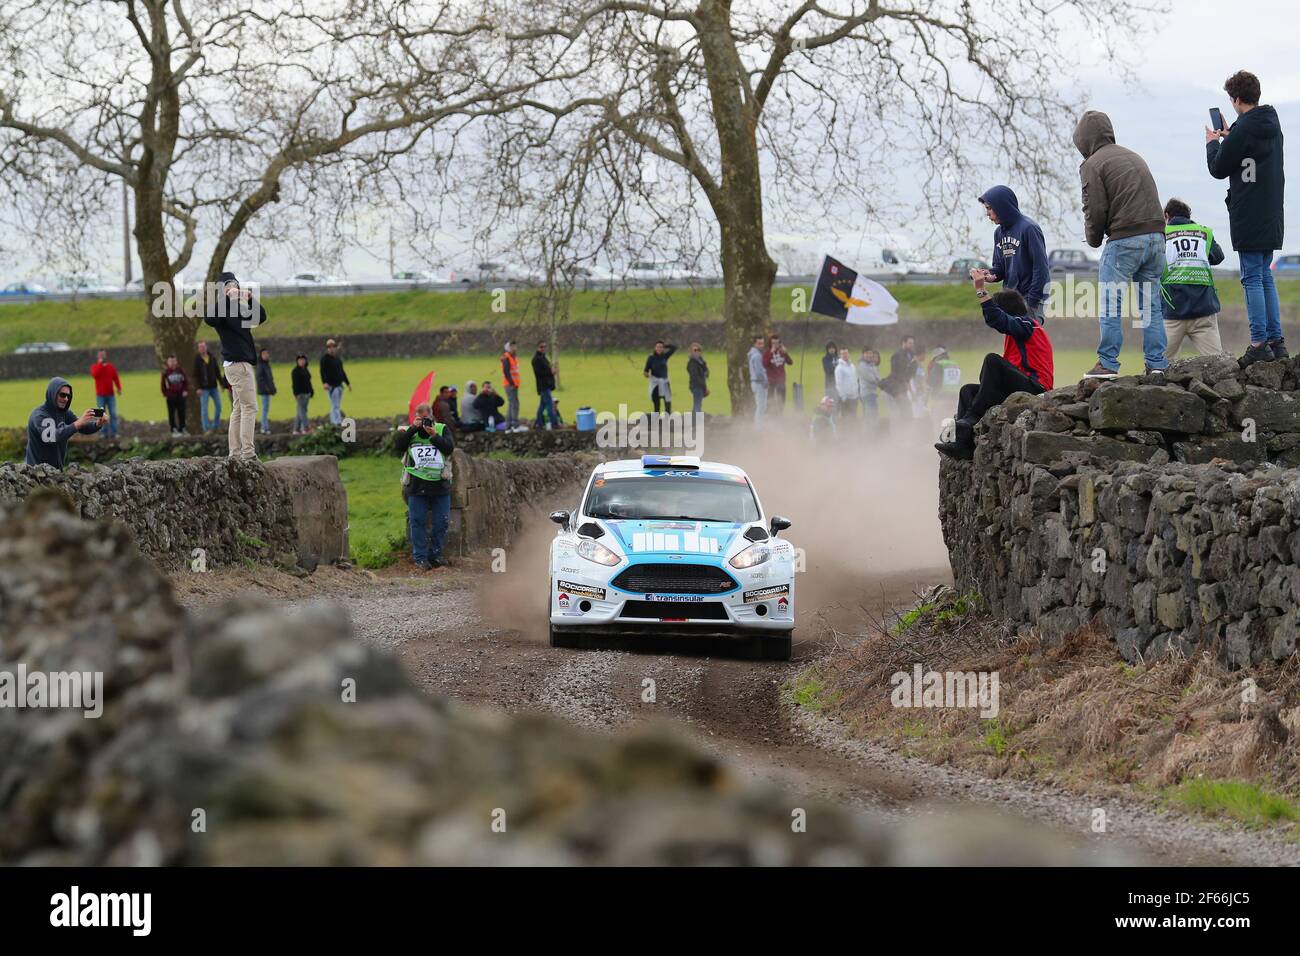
x=52, y=424
x=425, y=447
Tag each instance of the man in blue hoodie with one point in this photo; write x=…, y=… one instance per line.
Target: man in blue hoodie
x=1019, y=253
x=53, y=423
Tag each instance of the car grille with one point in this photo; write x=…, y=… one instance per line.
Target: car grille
x=676, y=610
x=674, y=579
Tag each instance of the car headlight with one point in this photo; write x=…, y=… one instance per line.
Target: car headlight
x=595, y=551
x=755, y=554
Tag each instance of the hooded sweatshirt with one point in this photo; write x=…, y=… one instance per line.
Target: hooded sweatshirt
x=234, y=322
x=1250, y=158
x=1019, y=253
x=1119, y=193
x=49, y=421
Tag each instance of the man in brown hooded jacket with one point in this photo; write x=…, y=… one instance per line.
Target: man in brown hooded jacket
x=1122, y=206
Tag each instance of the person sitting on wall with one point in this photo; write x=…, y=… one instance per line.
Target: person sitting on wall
x=1025, y=364
x=52, y=423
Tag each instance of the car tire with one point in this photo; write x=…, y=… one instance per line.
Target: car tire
x=564, y=638
x=778, y=647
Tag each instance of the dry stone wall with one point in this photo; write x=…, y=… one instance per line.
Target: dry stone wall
x=1168, y=513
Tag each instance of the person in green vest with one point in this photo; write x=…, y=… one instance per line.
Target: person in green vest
x=943, y=375
x=1187, y=285
x=425, y=448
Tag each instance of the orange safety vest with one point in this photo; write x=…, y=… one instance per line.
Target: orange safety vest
x=513, y=377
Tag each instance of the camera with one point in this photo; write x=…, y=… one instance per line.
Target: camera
x=99, y=413
x=426, y=422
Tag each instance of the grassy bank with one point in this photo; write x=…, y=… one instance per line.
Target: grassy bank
x=1171, y=731
x=109, y=322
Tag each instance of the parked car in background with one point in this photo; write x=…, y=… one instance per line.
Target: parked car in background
x=497, y=272
x=651, y=272
x=84, y=283
x=962, y=267
x=430, y=277
x=314, y=279
x=24, y=288
x=28, y=348
x=1072, y=260
x=1289, y=263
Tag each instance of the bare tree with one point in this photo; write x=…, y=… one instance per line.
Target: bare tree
x=830, y=111
x=211, y=113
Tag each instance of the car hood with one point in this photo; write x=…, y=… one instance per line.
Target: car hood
x=705, y=538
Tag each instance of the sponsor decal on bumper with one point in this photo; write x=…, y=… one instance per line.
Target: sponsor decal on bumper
x=676, y=598
x=762, y=594
x=582, y=590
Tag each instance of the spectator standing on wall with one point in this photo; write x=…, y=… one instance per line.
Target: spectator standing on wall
x=1249, y=156
x=108, y=386
x=234, y=315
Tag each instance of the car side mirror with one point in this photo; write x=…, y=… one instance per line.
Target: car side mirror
x=561, y=518
x=778, y=524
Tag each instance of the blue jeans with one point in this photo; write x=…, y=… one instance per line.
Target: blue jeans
x=426, y=545
x=1141, y=260
x=335, y=393
x=697, y=404
x=1262, y=307
x=206, y=394
x=547, y=406
x=109, y=404
x=760, y=399
x=266, y=412
x=300, y=421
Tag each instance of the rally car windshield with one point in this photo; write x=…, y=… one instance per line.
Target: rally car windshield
x=688, y=499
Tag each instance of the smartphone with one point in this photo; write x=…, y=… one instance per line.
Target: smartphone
x=1216, y=118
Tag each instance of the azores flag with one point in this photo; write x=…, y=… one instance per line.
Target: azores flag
x=843, y=294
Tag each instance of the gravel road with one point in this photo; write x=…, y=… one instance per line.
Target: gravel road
x=438, y=627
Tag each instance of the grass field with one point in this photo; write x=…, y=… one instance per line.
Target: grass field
x=376, y=512
x=110, y=323
x=603, y=380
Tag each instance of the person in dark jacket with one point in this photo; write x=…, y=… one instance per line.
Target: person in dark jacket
x=1249, y=156
x=656, y=370
x=425, y=448
x=1122, y=206
x=234, y=315
x=444, y=412
x=209, y=381
x=333, y=377
x=1191, y=304
x=52, y=423
x=265, y=388
x=488, y=405
x=1019, y=252
x=545, y=378
x=697, y=378
x=300, y=379
x=175, y=390
x=1025, y=365
x=829, y=360
x=902, y=371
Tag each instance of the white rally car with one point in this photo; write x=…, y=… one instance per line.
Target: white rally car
x=671, y=546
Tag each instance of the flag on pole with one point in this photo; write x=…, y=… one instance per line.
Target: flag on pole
x=843, y=294
x=423, y=393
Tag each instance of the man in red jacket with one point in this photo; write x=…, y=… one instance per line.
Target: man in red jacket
x=1025, y=364
x=107, y=387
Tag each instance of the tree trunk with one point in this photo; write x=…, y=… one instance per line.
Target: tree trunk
x=747, y=276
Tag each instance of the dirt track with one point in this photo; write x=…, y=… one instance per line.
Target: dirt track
x=734, y=707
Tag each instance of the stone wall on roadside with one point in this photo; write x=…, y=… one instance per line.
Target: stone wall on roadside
x=1167, y=513
x=293, y=510
x=238, y=711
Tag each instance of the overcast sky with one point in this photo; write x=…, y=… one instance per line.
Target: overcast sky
x=1180, y=63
